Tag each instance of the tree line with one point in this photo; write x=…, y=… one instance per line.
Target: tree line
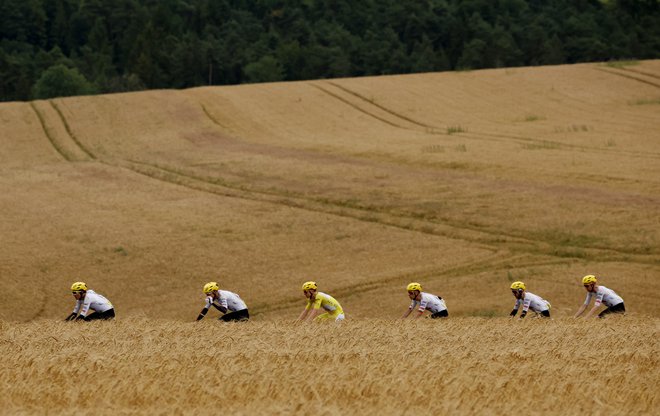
x=70, y=47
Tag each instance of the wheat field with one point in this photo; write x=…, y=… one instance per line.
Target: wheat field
x=463, y=181
x=461, y=365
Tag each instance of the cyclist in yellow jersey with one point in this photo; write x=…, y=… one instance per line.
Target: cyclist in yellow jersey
x=320, y=306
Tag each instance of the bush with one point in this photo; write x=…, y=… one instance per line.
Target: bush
x=266, y=69
x=60, y=81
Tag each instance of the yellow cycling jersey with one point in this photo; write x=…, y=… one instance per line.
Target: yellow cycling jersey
x=325, y=301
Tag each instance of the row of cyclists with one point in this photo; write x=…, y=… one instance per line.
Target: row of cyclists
x=322, y=307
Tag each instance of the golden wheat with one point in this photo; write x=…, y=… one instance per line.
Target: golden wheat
x=455, y=366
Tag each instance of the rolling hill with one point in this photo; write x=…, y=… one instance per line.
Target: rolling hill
x=463, y=181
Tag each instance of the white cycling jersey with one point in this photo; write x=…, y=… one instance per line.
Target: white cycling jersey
x=531, y=301
x=228, y=300
x=93, y=301
x=429, y=301
x=604, y=295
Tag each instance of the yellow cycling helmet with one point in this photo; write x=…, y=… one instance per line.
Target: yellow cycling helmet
x=589, y=279
x=210, y=287
x=78, y=287
x=309, y=286
x=414, y=286
x=518, y=286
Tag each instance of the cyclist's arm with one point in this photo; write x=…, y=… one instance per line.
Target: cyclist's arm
x=303, y=314
x=220, y=308
x=597, y=302
x=202, y=314
x=525, y=308
x=84, y=309
x=584, y=305
x=516, y=306
x=313, y=314
x=591, y=312
x=209, y=303
x=580, y=311
x=73, y=314
x=411, y=307
x=421, y=307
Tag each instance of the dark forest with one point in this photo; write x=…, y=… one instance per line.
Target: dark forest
x=53, y=48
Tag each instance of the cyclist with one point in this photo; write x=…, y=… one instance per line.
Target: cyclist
x=602, y=294
x=87, y=299
x=528, y=300
x=426, y=301
x=320, y=306
x=224, y=300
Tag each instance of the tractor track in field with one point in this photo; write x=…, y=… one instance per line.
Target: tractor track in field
x=71, y=134
x=226, y=189
x=382, y=107
x=223, y=188
x=66, y=143
x=422, y=127
x=358, y=108
x=430, y=147
x=59, y=149
x=489, y=237
x=621, y=73
x=485, y=239
x=640, y=72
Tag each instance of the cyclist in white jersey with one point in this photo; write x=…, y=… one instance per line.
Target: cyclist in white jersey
x=529, y=301
x=602, y=294
x=426, y=301
x=86, y=300
x=224, y=301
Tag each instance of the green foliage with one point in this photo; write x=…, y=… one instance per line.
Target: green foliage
x=136, y=44
x=60, y=81
x=266, y=69
x=646, y=101
x=543, y=145
x=621, y=64
x=120, y=250
x=485, y=313
x=456, y=129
